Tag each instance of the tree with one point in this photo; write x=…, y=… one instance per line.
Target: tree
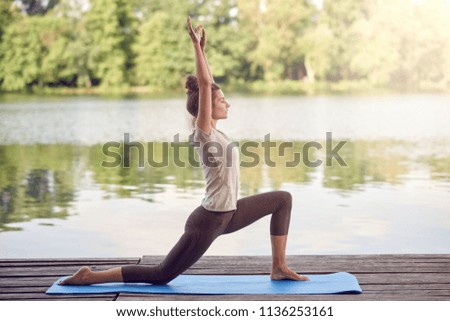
x=111, y=27
x=22, y=53
x=315, y=46
x=57, y=66
x=6, y=16
x=276, y=28
x=340, y=17
x=164, y=53
x=423, y=44
x=226, y=43
x=77, y=46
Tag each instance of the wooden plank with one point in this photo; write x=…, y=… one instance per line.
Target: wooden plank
x=340, y=297
x=445, y=258
x=262, y=270
x=412, y=293
x=19, y=290
x=251, y=297
x=69, y=259
x=410, y=278
x=27, y=281
x=416, y=287
x=311, y=264
x=331, y=268
x=219, y=262
x=50, y=270
x=43, y=296
x=69, y=262
x=24, y=289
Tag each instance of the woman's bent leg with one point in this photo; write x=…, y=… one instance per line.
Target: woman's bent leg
x=279, y=204
x=252, y=208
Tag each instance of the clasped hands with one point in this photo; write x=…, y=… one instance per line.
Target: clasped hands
x=197, y=34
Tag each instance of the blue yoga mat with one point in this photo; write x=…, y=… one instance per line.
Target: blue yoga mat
x=341, y=282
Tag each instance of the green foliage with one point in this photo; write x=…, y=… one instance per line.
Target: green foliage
x=279, y=27
x=109, y=26
x=5, y=16
x=22, y=53
x=163, y=58
x=260, y=45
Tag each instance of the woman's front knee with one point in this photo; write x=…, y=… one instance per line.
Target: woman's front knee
x=285, y=197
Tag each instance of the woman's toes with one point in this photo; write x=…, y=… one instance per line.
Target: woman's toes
x=302, y=277
x=287, y=274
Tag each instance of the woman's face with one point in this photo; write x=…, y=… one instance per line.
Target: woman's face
x=219, y=105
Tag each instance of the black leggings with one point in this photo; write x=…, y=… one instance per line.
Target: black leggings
x=203, y=227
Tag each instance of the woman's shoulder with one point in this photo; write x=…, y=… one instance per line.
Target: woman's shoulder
x=201, y=135
x=202, y=131
x=214, y=135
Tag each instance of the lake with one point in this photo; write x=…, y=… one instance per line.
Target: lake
x=390, y=195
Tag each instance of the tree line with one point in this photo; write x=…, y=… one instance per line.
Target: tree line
x=296, y=45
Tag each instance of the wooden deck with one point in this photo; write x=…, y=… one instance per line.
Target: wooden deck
x=382, y=277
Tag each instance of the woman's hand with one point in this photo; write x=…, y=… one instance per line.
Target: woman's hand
x=195, y=33
x=203, y=40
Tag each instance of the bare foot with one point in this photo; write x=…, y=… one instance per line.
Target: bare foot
x=285, y=273
x=81, y=277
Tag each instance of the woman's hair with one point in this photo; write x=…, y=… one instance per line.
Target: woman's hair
x=192, y=94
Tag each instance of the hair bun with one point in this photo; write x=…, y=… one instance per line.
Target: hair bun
x=191, y=83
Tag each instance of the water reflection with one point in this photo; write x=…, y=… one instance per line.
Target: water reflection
x=40, y=185
x=369, y=162
x=42, y=181
x=36, y=181
x=439, y=168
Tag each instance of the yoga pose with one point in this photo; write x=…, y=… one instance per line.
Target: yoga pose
x=220, y=211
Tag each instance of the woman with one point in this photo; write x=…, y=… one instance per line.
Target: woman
x=220, y=211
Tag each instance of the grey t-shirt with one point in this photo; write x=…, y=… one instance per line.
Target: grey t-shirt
x=219, y=157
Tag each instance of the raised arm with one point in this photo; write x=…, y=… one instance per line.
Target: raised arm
x=203, y=45
x=204, y=80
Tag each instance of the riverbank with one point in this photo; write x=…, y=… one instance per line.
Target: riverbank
x=257, y=88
